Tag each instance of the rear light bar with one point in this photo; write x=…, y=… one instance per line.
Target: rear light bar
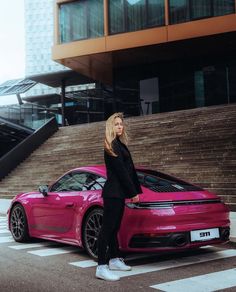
x=170, y=204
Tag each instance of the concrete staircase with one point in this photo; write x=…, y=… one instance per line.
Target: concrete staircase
x=198, y=145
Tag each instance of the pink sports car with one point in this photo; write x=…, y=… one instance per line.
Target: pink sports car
x=171, y=215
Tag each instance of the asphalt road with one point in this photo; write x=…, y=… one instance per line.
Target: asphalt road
x=46, y=266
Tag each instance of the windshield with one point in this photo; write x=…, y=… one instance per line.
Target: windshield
x=160, y=182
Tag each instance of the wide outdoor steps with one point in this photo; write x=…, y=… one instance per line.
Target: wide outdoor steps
x=198, y=145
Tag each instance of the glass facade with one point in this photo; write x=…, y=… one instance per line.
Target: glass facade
x=132, y=15
x=38, y=43
x=81, y=20
x=177, y=85
x=188, y=10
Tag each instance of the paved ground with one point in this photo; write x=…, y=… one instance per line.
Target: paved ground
x=47, y=266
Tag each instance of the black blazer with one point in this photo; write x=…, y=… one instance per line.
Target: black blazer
x=122, y=180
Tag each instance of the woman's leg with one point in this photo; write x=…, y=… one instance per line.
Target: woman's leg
x=114, y=244
x=113, y=212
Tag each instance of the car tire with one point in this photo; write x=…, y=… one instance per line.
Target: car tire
x=19, y=224
x=91, y=228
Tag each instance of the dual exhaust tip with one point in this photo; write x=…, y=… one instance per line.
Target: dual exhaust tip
x=181, y=240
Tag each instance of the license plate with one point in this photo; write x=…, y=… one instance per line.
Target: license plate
x=204, y=234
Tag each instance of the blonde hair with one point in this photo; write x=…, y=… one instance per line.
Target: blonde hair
x=110, y=134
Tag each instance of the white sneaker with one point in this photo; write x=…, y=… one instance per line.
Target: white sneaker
x=103, y=272
x=118, y=264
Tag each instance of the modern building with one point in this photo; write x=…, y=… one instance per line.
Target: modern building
x=38, y=42
x=155, y=55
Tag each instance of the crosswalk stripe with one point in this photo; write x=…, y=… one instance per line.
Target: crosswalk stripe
x=4, y=231
x=52, y=251
x=4, y=228
x=21, y=246
x=207, y=282
x=92, y=263
x=6, y=239
x=158, y=266
x=84, y=264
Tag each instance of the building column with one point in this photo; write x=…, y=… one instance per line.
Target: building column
x=63, y=94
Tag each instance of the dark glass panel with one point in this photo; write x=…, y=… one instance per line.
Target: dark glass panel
x=156, y=12
x=179, y=11
x=95, y=18
x=187, y=10
x=200, y=8
x=221, y=7
x=81, y=20
x=136, y=15
x=132, y=15
x=116, y=16
x=73, y=25
x=215, y=84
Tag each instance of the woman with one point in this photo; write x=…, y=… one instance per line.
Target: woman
x=122, y=182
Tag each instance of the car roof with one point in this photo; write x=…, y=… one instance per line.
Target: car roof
x=99, y=169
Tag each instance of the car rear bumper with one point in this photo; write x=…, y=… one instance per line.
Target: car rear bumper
x=170, y=228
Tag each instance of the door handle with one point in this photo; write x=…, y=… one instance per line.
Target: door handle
x=70, y=205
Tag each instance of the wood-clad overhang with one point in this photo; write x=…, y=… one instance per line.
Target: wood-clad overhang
x=97, y=58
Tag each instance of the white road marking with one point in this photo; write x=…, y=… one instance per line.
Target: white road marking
x=3, y=224
x=84, y=264
x=205, y=283
x=53, y=251
x=21, y=246
x=158, y=266
x=6, y=239
x=5, y=231
x=92, y=263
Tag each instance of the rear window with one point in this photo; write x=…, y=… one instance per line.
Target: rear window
x=160, y=182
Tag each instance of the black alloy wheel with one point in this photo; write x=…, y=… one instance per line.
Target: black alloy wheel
x=19, y=224
x=91, y=229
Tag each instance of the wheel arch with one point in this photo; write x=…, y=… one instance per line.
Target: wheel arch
x=89, y=210
x=26, y=235
x=12, y=207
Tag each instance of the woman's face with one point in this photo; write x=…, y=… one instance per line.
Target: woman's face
x=118, y=126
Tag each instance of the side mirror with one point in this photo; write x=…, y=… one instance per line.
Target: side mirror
x=43, y=190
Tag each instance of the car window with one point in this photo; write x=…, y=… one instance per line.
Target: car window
x=78, y=181
x=94, y=182
x=72, y=181
x=160, y=182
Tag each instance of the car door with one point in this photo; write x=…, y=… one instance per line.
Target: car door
x=54, y=214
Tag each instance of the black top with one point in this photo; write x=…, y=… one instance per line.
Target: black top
x=122, y=180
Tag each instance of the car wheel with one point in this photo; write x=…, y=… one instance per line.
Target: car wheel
x=19, y=224
x=91, y=229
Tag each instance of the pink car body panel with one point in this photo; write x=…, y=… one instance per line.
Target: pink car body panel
x=59, y=216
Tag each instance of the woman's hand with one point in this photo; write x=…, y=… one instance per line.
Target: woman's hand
x=135, y=199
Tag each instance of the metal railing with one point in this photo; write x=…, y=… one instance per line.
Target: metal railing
x=10, y=160
x=29, y=115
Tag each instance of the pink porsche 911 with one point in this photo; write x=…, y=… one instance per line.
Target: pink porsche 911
x=171, y=215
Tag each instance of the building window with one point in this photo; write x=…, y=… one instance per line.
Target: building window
x=188, y=10
x=132, y=15
x=82, y=19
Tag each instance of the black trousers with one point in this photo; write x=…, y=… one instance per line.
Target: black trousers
x=108, y=246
